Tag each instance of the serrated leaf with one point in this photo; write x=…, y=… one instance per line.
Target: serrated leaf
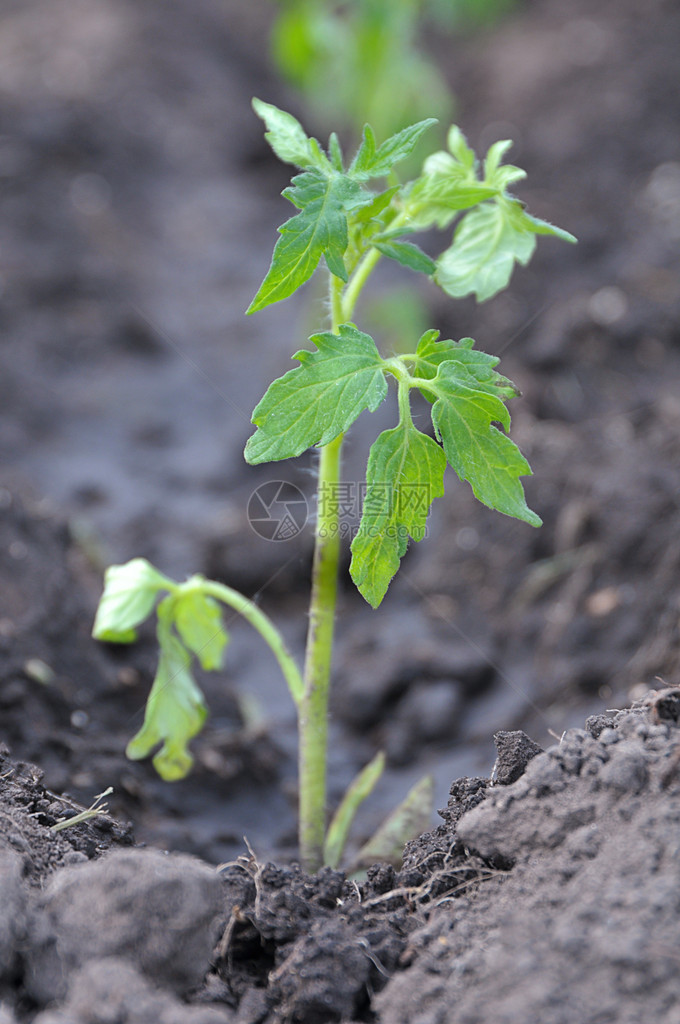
x=198, y=620
x=376, y=205
x=499, y=176
x=475, y=368
x=444, y=189
x=542, y=227
x=365, y=155
x=486, y=245
x=361, y=788
x=335, y=152
x=405, y=473
x=318, y=400
x=494, y=155
x=130, y=592
x=406, y=822
x=479, y=452
x=409, y=255
x=286, y=136
x=372, y=162
x=175, y=709
x=320, y=229
x=458, y=147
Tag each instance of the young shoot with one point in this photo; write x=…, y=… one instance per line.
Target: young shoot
x=348, y=216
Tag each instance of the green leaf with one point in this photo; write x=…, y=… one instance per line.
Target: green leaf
x=475, y=368
x=447, y=185
x=405, y=473
x=486, y=245
x=408, y=820
x=318, y=400
x=409, y=255
x=130, y=592
x=372, y=162
x=335, y=152
x=376, y=206
x=479, y=452
x=320, y=229
x=494, y=174
x=286, y=136
x=361, y=788
x=198, y=620
x=436, y=199
x=542, y=227
x=175, y=710
x=459, y=149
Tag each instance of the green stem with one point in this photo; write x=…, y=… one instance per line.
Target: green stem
x=404, y=403
x=335, y=289
x=313, y=708
x=359, y=278
x=265, y=627
x=365, y=268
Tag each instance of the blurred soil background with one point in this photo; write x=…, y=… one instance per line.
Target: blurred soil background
x=139, y=208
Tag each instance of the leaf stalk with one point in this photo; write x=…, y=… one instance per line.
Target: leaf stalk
x=265, y=627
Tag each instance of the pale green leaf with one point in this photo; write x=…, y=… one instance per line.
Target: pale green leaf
x=405, y=473
x=412, y=817
x=130, y=592
x=486, y=245
x=198, y=620
x=318, y=400
x=361, y=788
x=479, y=451
x=286, y=136
x=458, y=147
x=542, y=227
x=445, y=187
x=499, y=176
x=175, y=709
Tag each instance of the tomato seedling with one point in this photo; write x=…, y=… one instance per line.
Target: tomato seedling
x=351, y=215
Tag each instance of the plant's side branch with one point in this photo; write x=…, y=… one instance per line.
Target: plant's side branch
x=265, y=627
x=365, y=268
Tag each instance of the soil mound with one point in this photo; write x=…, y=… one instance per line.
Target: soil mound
x=552, y=898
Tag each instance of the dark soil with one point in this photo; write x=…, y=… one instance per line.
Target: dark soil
x=550, y=898
x=139, y=211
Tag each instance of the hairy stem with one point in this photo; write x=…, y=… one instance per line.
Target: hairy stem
x=313, y=708
x=359, y=278
x=404, y=404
